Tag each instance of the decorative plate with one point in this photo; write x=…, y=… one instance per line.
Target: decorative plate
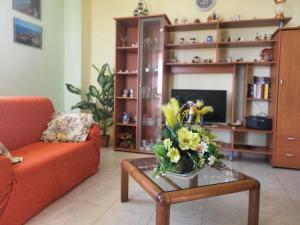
x=205, y=5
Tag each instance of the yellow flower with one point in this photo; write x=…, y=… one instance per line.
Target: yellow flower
x=168, y=143
x=174, y=155
x=187, y=139
x=171, y=112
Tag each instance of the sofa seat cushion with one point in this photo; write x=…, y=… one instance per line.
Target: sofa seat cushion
x=48, y=171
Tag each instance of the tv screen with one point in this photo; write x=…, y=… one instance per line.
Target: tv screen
x=216, y=99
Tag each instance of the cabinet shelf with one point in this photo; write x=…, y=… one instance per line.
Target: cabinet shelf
x=126, y=124
x=192, y=46
x=267, y=22
x=255, y=150
x=259, y=99
x=221, y=64
x=126, y=98
x=247, y=130
x=126, y=73
x=247, y=44
x=126, y=149
x=128, y=49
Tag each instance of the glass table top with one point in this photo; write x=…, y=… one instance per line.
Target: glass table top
x=173, y=182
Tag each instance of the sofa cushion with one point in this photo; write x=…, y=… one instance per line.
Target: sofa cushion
x=68, y=127
x=23, y=120
x=48, y=171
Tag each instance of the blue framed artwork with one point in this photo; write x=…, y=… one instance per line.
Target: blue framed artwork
x=29, y=7
x=27, y=34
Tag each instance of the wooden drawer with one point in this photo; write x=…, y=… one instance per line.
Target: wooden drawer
x=287, y=160
x=287, y=145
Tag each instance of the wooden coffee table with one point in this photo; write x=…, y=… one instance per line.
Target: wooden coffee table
x=172, y=189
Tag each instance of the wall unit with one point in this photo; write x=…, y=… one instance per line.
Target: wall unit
x=287, y=111
x=133, y=71
x=140, y=57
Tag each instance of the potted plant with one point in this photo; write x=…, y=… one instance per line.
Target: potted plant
x=99, y=102
x=186, y=144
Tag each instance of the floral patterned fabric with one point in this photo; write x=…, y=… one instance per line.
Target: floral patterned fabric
x=68, y=127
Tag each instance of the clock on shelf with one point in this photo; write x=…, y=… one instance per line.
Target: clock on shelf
x=205, y=5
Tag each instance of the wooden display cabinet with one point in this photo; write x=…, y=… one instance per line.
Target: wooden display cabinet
x=140, y=56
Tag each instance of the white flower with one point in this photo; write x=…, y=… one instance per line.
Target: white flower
x=211, y=160
x=202, y=148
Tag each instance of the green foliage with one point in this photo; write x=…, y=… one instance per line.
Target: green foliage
x=100, y=102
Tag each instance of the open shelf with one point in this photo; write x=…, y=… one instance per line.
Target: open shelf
x=246, y=44
x=126, y=73
x=247, y=130
x=268, y=22
x=126, y=98
x=221, y=63
x=254, y=150
x=259, y=99
x=192, y=46
x=192, y=26
x=126, y=124
x=128, y=49
x=126, y=149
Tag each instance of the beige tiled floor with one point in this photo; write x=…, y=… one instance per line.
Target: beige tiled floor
x=97, y=200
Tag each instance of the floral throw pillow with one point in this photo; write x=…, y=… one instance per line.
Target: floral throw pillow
x=68, y=127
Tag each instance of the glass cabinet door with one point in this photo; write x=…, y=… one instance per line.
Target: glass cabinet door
x=150, y=82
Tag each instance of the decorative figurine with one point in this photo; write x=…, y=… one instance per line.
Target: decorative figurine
x=147, y=69
x=181, y=41
x=126, y=118
x=176, y=21
x=209, y=39
x=257, y=37
x=196, y=59
x=141, y=9
x=124, y=41
x=197, y=21
x=125, y=93
x=126, y=140
x=265, y=37
x=230, y=59
x=131, y=93
x=229, y=39
x=174, y=59
x=193, y=40
x=184, y=20
x=266, y=55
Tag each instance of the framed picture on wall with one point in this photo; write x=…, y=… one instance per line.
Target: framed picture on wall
x=27, y=34
x=29, y=7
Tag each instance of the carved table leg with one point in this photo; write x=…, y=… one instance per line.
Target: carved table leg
x=162, y=214
x=253, y=210
x=124, y=185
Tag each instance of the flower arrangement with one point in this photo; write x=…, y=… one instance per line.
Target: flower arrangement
x=186, y=144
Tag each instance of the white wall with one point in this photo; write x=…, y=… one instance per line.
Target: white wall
x=28, y=71
x=72, y=72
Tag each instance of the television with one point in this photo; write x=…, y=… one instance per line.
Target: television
x=215, y=98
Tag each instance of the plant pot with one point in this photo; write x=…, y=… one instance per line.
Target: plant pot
x=104, y=141
x=185, y=164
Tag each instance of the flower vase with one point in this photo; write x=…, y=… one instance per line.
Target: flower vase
x=185, y=164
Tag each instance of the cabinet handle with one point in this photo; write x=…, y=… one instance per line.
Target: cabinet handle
x=291, y=139
x=289, y=155
x=281, y=82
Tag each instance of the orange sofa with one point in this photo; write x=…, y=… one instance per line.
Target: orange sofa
x=49, y=169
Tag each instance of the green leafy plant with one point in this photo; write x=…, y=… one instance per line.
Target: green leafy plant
x=99, y=102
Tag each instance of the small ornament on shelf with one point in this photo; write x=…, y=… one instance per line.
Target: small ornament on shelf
x=193, y=40
x=197, y=21
x=126, y=117
x=141, y=9
x=209, y=39
x=131, y=93
x=124, y=41
x=266, y=55
x=125, y=93
x=126, y=140
x=196, y=59
x=229, y=39
x=181, y=41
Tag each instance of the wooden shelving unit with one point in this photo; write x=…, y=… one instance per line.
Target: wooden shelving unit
x=228, y=67
x=130, y=58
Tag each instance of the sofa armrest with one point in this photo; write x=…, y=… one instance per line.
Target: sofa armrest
x=94, y=135
x=6, y=182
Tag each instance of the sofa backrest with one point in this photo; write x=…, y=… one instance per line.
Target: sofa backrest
x=23, y=120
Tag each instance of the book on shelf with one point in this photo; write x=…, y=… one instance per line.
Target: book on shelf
x=260, y=88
